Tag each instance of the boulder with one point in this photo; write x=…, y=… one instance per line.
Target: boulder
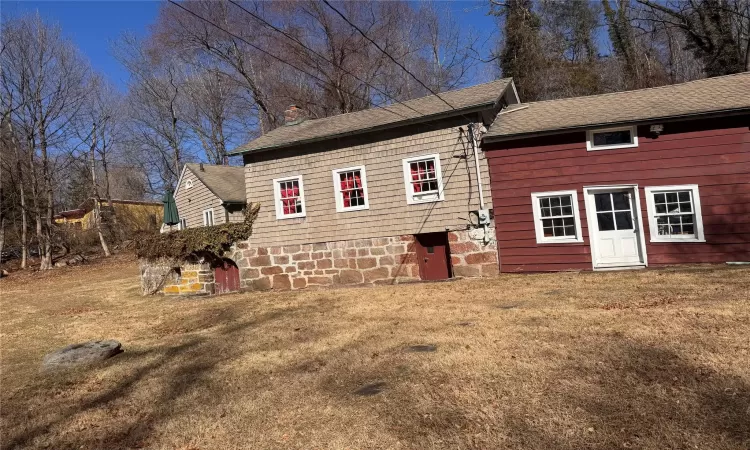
x=81, y=354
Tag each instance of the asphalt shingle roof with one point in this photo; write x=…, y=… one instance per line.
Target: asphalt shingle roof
x=378, y=118
x=719, y=94
x=226, y=182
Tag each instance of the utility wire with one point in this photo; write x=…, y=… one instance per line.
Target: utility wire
x=273, y=56
x=385, y=52
x=323, y=57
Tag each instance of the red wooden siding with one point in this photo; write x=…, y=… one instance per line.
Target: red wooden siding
x=712, y=153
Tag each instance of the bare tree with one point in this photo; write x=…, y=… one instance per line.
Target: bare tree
x=178, y=31
x=155, y=106
x=47, y=76
x=12, y=176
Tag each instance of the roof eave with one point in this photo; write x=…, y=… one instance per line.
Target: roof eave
x=531, y=134
x=420, y=119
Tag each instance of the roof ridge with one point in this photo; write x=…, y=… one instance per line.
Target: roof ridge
x=213, y=165
x=700, y=80
x=452, y=90
x=397, y=102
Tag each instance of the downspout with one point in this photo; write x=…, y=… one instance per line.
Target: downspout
x=476, y=164
x=474, y=145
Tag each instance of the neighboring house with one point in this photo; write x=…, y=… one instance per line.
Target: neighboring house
x=382, y=195
x=72, y=218
x=210, y=195
x=132, y=215
x=628, y=179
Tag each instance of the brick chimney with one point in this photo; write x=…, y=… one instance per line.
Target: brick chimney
x=293, y=115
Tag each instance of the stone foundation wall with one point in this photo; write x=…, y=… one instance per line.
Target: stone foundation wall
x=194, y=279
x=388, y=260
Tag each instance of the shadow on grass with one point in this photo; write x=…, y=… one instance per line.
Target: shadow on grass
x=630, y=395
x=611, y=393
x=187, y=368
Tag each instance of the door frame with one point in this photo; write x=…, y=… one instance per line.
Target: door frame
x=593, y=226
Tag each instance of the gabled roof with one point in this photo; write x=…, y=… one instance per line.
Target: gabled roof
x=226, y=182
x=430, y=107
x=730, y=93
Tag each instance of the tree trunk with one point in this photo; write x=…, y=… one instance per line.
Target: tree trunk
x=45, y=241
x=97, y=199
x=2, y=218
x=24, y=216
x=22, y=196
x=112, y=215
x=34, y=180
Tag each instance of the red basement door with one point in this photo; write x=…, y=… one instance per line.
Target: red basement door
x=227, y=277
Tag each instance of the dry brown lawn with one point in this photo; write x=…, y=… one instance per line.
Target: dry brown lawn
x=644, y=359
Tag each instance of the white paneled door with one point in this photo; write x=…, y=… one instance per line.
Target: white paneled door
x=615, y=227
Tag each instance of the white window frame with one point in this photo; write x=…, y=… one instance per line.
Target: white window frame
x=277, y=197
x=188, y=183
x=206, y=214
x=183, y=224
x=699, y=235
x=540, y=237
x=337, y=189
x=410, y=195
x=590, y=138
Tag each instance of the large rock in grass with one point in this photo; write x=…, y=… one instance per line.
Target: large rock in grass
x=81, y=354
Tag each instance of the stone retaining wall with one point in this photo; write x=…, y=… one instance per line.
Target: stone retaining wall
x=194, y=279
x=388, y=260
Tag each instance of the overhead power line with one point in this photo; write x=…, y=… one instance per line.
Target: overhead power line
x=318, y=54
x=198, y=16
x=364, y=35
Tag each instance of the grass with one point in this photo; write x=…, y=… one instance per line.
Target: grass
x=643, y=359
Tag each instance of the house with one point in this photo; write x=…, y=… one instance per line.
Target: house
x=624, y=180
x=384, y=195
x=210, y=195
x=72, y=218
x=132, y=215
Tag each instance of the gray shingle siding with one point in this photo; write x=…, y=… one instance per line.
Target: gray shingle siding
x=388, y=214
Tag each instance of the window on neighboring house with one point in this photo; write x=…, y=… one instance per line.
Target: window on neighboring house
x=350, y=185
x=188, y=184
x=289, y=196
x=611, y=138
x=182, y=225
x=208, y=217
x=556, y=217
x=674, y=213
x=423, y=179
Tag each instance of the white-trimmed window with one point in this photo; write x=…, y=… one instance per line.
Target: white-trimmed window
x=556, y=217
x=423, y=179
x=611, y=138
x=350, y=186
x=208, y=217
x=188, y=184
x=674, y=213
x=289, y=196
x=182, y=225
